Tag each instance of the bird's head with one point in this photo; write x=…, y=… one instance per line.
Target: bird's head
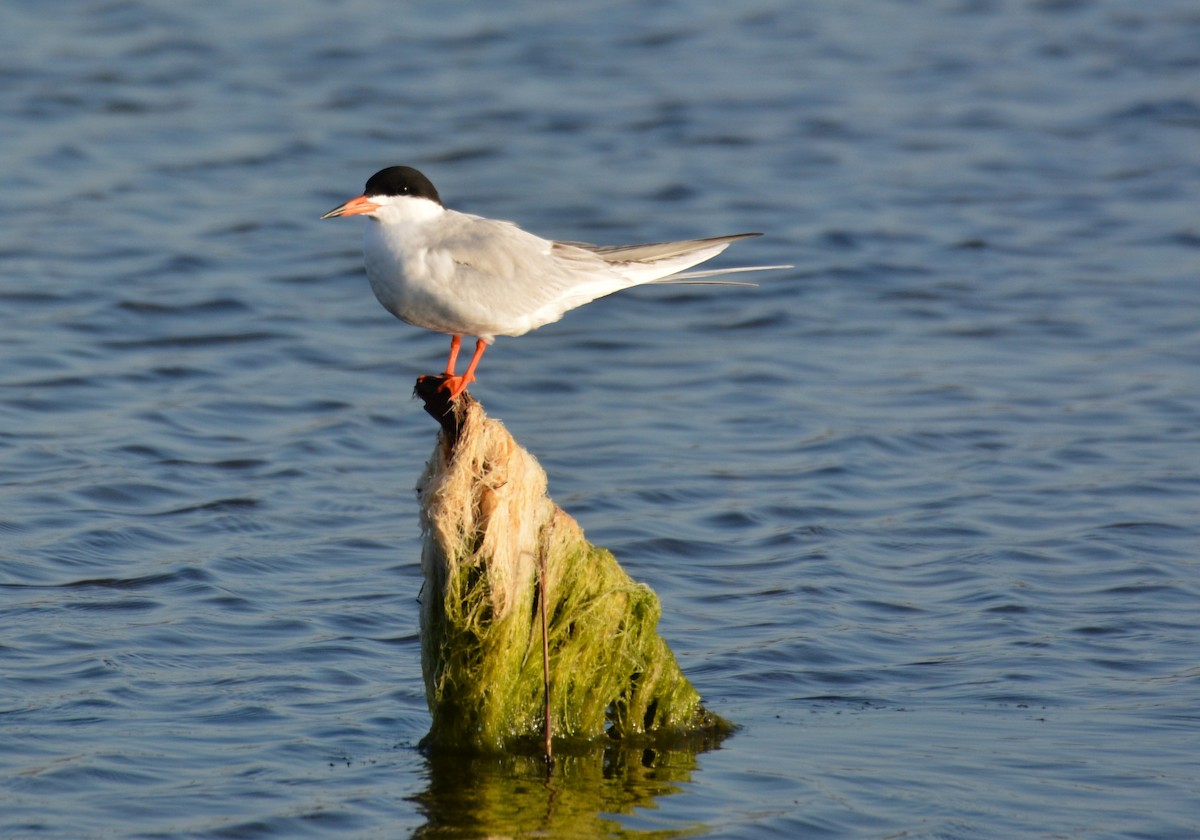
x=395, y=194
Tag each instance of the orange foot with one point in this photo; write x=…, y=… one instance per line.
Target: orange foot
x=446, y=382
x=456, y=384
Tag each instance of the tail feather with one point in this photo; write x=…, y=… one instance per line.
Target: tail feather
x=664, y=262
x=694, y=276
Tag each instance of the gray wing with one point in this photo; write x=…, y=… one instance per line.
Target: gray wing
x=655, y=251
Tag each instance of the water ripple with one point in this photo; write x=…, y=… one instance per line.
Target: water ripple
x=920, y=512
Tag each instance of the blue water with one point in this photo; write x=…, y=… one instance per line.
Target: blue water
x=922, y=512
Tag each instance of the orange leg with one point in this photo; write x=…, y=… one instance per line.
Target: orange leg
x=457, y=384
x=455, y=343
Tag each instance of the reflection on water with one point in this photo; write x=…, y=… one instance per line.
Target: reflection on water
x=513, y=796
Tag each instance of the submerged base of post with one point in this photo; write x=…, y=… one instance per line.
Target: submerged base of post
x=487, y=520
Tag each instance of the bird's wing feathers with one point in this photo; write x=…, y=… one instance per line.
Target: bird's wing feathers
x=662, y=262
x=655, y=251
x=507, y=281
x=492, y=247
x=513, y=281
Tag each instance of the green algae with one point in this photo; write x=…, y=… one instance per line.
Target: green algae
x=489, y=527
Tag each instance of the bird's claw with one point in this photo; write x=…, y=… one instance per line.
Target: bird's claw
x=455, y=385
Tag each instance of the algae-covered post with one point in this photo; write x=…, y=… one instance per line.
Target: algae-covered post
x=486, y=520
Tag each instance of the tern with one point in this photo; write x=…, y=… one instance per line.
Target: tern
x=461, y=274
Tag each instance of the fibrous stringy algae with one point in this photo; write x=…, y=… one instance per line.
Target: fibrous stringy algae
x=486, y=520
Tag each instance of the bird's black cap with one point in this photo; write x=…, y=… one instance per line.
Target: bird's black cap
x=401, y=180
